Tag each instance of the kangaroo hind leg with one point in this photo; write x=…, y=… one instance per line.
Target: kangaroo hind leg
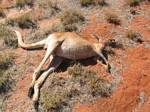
x=51, y=47
x=56, y=61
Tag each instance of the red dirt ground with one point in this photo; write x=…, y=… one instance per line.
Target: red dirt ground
x=132, y=93
x=135, y=82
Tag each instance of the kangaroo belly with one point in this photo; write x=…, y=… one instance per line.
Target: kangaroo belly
x=75, y=50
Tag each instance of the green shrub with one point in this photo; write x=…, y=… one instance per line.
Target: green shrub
x=92, y=2
x=22, y=3
x=8, y=36
x=113, y=18
x=2, y=14
x=23, y=21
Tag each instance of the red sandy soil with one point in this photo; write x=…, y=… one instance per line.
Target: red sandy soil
x=18, y=100
x=132, y=93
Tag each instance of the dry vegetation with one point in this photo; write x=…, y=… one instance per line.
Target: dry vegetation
x=23, y=21
x=71, y=20
x=134, y=36
x=48, y=7
x=92, y=2
x=8, y=36
x=81, y=85
x=23, y=3
x=2, y=14
x=112, y=18
x=68, y=91
x=133, y=2
x=37, y=35
x=8, y=71
x=5, y=63
x=110, y=46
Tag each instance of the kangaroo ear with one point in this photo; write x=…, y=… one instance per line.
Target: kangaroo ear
x=98, y=37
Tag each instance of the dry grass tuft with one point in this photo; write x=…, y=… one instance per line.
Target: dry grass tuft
x=5, y=60
x=23, y=21
x=71, y=20
x=71, y=16
x=8, y=36
x=133, y=2
x=48, y=7
x=76, y=70
x=92, y=2
x=136, y=37
x=100, y=86
x=23, y=3
x=2, y=14
x=53, y=101
x=8, y=71
x=112, y=18
x=37, y=35
x=5, y=63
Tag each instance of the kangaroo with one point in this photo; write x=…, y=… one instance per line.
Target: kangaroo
x=60, y=45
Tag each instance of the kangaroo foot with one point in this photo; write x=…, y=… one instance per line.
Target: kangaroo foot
x=30, y=92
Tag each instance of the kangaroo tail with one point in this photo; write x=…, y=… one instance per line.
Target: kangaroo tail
x=29, y=46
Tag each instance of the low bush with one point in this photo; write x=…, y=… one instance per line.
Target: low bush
x=23, y=21
x=48, y=7
x=60, y=94
x=76, y=70
x=8, y=36
x=92, y=2
x=134, y=36
x=71, y=16
x=133, y=2
x=112, y=18
x=6, y=62
x=2, y=14
x=37, y=35
x=71, y=20
x=22, y=3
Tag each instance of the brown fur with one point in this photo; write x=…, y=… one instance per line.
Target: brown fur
x=60, y=45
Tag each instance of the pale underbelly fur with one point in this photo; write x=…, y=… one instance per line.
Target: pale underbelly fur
x=75, y=51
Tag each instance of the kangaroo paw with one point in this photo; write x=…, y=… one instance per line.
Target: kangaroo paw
x=36, y=105
x=109, y=68
x=30, y=92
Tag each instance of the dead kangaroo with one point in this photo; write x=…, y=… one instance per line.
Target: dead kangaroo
x=60, y=45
